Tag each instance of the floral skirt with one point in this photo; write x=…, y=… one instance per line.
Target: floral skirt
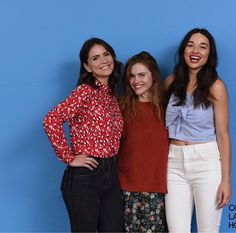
x=144, y=212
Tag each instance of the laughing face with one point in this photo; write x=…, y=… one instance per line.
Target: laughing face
x=197, y=51
x=100, y=63
x=141, y=81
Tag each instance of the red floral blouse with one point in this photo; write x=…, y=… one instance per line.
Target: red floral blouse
x=95, y=124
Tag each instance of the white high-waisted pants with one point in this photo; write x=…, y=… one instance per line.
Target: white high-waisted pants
x=193, y=178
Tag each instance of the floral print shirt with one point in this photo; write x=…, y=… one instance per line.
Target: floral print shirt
x=95, y=123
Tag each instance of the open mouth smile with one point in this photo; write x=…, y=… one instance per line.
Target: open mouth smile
x=194, y=58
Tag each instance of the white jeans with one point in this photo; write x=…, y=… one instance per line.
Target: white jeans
x=193, y=178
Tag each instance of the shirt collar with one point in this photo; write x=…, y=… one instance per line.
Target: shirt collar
x=101, y=85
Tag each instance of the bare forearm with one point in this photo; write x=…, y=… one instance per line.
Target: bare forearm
x=225, y=153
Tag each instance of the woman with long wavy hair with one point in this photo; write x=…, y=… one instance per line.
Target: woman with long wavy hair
x=198, y=171
x=144, y=147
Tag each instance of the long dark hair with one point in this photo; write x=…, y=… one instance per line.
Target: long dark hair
x=88, y=78
x=129, y=100
x=206, y=76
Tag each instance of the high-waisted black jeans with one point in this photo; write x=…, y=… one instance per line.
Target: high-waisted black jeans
x=93, y=198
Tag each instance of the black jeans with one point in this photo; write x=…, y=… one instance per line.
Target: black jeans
x=93, y=198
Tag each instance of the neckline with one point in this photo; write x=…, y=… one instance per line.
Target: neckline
x=146, y=102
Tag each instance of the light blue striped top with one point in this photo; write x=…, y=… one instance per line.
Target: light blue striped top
x=190, y=124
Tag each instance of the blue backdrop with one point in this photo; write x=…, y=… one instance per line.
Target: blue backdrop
x=39, y=46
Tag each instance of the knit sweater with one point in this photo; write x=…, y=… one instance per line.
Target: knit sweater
x=143, y=152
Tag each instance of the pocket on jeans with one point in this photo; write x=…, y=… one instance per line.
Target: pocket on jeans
x=86, y=172
x=209, y=154
x=171, y=154
x=64, y=180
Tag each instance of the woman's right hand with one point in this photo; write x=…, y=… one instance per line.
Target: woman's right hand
x=84, y=161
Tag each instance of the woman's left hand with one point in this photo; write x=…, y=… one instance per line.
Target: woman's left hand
x=223, y=194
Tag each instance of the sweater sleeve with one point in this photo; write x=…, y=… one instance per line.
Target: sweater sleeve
x=64, y=112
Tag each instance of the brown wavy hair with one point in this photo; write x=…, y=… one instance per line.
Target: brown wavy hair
x=129, y=100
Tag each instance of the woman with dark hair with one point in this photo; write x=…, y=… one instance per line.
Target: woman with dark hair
x=90, y=185
x=198, y=170
x=144, y=147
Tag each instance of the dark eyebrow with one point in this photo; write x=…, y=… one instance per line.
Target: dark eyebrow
x=140, y=73
x=202, y=43
x=97, y=55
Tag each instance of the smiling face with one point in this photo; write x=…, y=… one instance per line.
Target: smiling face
x=197, y=51
x=141, y=81
x=100, y=63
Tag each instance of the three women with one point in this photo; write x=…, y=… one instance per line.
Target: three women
x=198, y=170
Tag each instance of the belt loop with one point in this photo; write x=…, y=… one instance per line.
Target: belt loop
x=171, y=148
x=194, y=148
x=115, y=159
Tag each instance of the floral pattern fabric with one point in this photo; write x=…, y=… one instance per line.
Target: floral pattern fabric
x=95, y=123
x=144, y=212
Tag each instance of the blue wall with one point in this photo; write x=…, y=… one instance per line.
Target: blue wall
x=39, y=45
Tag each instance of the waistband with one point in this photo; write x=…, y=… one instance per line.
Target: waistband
x=204, y=151
x=198, y=145
x=99, y=159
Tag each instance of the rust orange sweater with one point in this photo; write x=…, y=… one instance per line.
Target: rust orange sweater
x=143, y=152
